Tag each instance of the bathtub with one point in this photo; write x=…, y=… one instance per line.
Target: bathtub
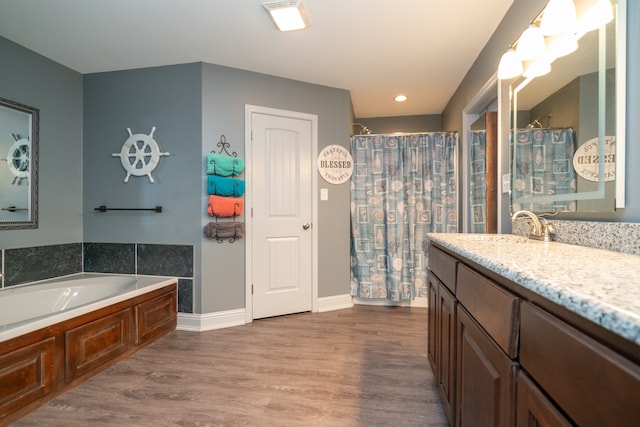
x=57, y=333
x=26, y=308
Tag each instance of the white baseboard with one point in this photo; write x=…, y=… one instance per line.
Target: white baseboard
x=210, y=321
x=335, y=302
x=416, y=302
x=226, y=319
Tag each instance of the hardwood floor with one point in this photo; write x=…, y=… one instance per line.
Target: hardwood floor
x=365, y=366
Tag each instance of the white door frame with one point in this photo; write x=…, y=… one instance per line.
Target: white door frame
x=493, y=89
x=248, y=111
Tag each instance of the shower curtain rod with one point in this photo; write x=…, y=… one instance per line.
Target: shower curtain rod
x=405, y=133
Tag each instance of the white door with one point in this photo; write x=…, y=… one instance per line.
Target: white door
x=281, y=202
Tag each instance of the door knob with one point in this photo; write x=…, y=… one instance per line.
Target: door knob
x=306, y=226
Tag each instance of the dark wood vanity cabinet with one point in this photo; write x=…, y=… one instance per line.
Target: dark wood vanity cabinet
x=519, y=359
x=486, y=377
x=442, y=327
x=594, y=385
x=475, y=375
x=534, y=409
x=441, y=349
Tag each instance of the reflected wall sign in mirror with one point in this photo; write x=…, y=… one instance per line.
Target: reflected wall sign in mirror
x=18, y=165
x=566, y=123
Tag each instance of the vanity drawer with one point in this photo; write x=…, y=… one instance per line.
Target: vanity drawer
x=443, y=266
x=494, y=308
x=592, y=384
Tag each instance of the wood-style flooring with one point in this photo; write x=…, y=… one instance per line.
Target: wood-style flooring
x=364, y=366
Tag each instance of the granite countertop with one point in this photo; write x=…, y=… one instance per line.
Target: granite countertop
x=600, y=285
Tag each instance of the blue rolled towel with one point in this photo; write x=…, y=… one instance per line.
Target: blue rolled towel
x=223, y=165
x=222, y=186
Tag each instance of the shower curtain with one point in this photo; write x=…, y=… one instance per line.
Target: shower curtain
x=403, y=187
x=544, y=166
x=478, y=181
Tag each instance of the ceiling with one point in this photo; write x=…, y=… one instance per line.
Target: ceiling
x=375, y=49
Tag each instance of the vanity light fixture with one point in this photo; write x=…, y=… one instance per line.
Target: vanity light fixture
x=557, y=35
x=558, y=17
x=536, y=68
x=510, y=65
x=288, y=15
x=600, y=14
x=561, y=45
x=531, y=44
x=400, y=98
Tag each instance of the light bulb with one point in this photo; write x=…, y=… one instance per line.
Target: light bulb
x=510, y=65
x=558, y=17
x=530, y=44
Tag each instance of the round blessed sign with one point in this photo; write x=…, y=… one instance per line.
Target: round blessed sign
x=335, y=164
x=587, y=156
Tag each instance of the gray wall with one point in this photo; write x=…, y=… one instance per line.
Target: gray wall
x=515, y=21
x=226, y=91
x=165, y=97
x=384, y=125
x=33, y=80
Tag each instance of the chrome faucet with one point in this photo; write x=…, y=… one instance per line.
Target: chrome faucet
x=541, y=229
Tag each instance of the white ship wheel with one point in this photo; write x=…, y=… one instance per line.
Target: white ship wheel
x=140, y=154
x=18, y=159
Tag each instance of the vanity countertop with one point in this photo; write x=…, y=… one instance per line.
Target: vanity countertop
x=600, y=285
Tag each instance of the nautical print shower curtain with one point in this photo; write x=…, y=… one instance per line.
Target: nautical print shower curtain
x=478, y=181
x=403, y=187
x=544, y=166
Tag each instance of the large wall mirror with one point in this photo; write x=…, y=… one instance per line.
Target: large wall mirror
x=567, y=124
x=18, y=165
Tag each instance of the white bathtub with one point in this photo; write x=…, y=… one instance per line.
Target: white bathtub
x=27, y=308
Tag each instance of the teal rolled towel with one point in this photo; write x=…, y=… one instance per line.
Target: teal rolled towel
x=223, y=186
x=223, y=165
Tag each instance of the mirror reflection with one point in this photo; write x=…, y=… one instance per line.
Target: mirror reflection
x=558, y=120
x=18, y=165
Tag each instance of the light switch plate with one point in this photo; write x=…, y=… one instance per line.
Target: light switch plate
x=324, y=194
x=506, y=183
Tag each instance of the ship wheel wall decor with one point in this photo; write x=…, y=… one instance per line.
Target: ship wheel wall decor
x=18, y=159
x=140, y=154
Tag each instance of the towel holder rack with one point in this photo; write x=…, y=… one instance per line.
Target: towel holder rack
x=103, y=208
x=223, y=144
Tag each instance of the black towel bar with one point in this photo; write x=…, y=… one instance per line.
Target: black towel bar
x=103, y=208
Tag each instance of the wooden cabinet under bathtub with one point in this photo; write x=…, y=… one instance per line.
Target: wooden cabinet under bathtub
x=504, y=356
x=42, y=364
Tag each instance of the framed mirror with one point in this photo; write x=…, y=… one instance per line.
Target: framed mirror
x=567, y=126
x=18, y=165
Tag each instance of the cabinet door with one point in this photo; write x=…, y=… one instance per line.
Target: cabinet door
x=594, y=386
x=485, y=378
x=445, y=372
x=534, y=409
x=432, y=322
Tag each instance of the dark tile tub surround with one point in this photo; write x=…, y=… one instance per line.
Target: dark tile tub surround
x=185, y=295
x=165, y=260
x=145, y=259
x=110, y=258
x=24, y=265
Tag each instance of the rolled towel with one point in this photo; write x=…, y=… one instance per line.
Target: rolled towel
x=225, y=206
x=224, y=230
x=222, y=165
x=222, y=186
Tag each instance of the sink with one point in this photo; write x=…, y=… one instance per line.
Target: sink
x=494, y=238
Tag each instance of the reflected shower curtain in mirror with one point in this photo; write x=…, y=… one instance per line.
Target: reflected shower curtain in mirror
x=544, y=166
x=478, y=181
x=403, y=187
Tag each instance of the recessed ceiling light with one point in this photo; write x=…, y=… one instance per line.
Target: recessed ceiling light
x=288, y=15
x=400, y=98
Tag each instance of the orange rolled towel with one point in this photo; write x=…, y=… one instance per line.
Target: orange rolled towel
x=225, y=206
